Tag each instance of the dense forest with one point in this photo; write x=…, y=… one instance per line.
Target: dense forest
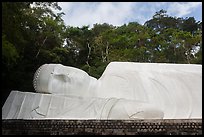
x=35, y=35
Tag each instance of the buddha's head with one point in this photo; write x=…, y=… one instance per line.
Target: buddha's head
x=62, y=80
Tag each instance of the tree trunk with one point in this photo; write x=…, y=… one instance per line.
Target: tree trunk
x=89, y=53
x=41, y=47
x=107, y=46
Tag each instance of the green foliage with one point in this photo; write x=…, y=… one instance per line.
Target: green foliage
x=96, y=70
x=9, y=52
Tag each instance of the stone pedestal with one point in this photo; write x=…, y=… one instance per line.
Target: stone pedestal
x=102, y=127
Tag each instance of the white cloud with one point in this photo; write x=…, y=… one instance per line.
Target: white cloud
x=182, y=8
x=89, y=13
x=119, y=13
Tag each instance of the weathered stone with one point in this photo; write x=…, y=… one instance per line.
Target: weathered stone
x=111, y=127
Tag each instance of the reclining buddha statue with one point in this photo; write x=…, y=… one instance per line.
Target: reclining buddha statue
x=126, y=90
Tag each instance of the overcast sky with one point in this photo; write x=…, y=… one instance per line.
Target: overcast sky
x=119, y=13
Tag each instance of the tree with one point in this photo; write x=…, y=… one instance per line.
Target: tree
x=190, y=25
x=25, y=31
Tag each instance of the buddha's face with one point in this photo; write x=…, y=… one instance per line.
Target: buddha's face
x=61, y=80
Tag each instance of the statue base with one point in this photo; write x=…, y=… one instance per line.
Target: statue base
x=102, y=127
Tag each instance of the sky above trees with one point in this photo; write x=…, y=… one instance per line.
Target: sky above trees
x=78, y=14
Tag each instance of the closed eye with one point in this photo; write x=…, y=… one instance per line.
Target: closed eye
x=62, y=77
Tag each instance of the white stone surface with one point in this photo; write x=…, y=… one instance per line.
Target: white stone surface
x=174, y=88
x=126, y=90
x=27, y=105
